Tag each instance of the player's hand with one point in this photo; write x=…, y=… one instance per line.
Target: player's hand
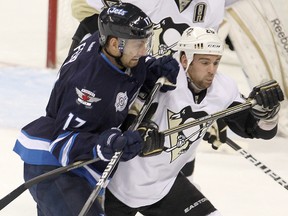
x=112, y=140
x=153, y=139
x=168, y=67
x=216, y=135
x=268, y=97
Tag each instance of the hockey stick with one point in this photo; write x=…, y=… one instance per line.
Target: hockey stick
x=210, y=118
x=116, y=157
x=257, y=163
x=54, y=173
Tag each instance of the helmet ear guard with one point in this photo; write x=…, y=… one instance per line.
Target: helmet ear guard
x=197, y=40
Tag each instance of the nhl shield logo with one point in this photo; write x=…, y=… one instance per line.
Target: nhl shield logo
x=121, y=101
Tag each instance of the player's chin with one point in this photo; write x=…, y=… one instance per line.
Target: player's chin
x=133, y=62
x=208, y=83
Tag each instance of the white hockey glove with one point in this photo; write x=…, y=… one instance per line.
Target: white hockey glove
x=268, y=97
x=216, y=135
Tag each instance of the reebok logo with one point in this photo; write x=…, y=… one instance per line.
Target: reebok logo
x=279, y=31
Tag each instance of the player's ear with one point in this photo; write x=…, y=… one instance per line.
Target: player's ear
x=183, y=59
x=113, y=46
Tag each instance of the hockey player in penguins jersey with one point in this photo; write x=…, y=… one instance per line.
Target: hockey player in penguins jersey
x=97, y=84
x=170, y=18
x=155, y=186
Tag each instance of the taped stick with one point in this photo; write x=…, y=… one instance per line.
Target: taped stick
x=210, y=118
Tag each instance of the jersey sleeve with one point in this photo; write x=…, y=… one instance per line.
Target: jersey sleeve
x=246, y=125
x=81, y=9
x=243, y=123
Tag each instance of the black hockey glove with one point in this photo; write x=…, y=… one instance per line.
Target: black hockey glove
x=267, y=95
x=153, y=139
x=112, y=140
x=216, y=135
x=165, y=66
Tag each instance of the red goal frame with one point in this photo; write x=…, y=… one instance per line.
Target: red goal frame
x=51, y=59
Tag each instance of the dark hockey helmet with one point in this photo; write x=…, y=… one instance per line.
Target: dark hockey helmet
x=124, y=21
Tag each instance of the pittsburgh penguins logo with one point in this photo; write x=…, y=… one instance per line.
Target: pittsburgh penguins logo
x=167, y=33
x=180, y=142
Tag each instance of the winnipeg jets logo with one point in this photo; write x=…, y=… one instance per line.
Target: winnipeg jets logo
x=180, y=142
x=113, y=10
x=86, y=97
x=121, y=101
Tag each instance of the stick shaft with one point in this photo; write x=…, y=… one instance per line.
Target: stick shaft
x=257, y=163
x=23, y=187
x=116, y=158
x=209, y=118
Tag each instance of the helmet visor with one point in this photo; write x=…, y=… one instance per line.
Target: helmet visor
x=136, y=47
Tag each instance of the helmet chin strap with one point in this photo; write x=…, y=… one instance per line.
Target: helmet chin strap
x=193, y=85
x=117, y=58
x=195, y=88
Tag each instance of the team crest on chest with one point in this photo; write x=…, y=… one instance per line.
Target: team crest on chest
x=86, y=97
x=181, y=142
x=121, y=101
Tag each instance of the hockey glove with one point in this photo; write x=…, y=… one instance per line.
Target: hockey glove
x=216, y=135
x=133, y=146
x=153, y=139
x=165, y=66
x=108, y=143
x=112, y=140
x=267, y=96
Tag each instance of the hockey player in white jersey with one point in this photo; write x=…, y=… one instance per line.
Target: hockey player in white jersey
x=170, y=18
x=155, y=186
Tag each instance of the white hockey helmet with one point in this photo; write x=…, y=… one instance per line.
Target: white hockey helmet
x=197, y=40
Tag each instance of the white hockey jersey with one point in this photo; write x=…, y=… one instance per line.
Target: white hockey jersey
x=145, y=180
